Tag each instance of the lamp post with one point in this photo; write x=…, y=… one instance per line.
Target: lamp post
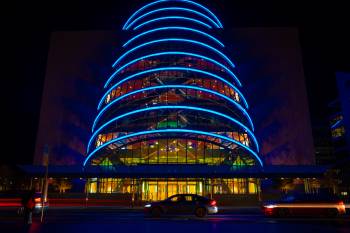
x=45, y=188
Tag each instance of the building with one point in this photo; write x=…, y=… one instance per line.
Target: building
x=173, y=100
x=340, y=131
x=323, y=143
x=173, y=114
x=339, y=119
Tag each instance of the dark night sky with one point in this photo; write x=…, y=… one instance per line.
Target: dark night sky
x=323, y=33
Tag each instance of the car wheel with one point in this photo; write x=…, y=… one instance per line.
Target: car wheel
x=283, y=212
x=200, y=212
x=332, y=212
x=156, y=212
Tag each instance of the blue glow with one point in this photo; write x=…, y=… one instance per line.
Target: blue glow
x=160, y=1
x=336, y=124
x=172, y=9
x=174, y=131
x=173, y=86
x=174, y=107
x=175, y=39
x=170, y=69
x=173, y=53
x=174, y=28
x=172, y=17
x=206, y=9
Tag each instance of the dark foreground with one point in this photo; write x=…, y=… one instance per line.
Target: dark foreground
x=98, y=220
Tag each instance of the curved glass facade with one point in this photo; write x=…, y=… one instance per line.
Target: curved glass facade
x=173, y=96
x=164, y=76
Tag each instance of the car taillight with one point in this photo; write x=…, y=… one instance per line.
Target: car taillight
x=212, y=202
x=38, y=199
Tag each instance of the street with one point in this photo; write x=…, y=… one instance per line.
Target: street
x=98, y=220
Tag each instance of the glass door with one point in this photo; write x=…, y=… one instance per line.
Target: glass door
x=172, y=188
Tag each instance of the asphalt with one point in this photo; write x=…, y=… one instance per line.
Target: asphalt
x=123, y=219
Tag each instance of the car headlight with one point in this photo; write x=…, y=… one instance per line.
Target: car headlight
x=271, y=206
x=148, y=205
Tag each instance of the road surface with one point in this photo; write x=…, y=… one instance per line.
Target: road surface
x=98, y=220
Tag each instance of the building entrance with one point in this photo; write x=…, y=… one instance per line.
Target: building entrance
x=161, y=189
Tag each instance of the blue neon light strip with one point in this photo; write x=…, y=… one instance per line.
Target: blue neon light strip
x=172, y=9
x=174, y=107
x=206, y=9
x=174, y=131
x=336, y=124
x=160, y=1
x=172, y=69
x=172, y=17
x=174, y=28
x=173, y=53
x=175, y=39
x=172, y=86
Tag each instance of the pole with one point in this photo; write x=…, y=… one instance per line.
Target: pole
x=258, y=189
x=87, y=189
x=31, y=183
x=44, y=199
x=45, y=189
x=132, y=193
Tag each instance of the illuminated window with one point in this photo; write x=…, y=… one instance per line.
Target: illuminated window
x=252, y=186
x=338, y=132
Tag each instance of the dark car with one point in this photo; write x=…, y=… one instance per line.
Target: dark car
x=305, y=205
x=182, y=204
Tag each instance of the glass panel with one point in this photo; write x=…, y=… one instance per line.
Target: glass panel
x=93, y=186
x=252, y=187
x=152, y=191
x=136, y=153
x=153, y=152
x=191, y=187
x=191, y=151
x=208, y=153
x=162, y=190
x=163, y=151
x=172, y=151
x=144, y=152
x=172, y=188
x=200, y=152
x=240, y=185
x=181, y=153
